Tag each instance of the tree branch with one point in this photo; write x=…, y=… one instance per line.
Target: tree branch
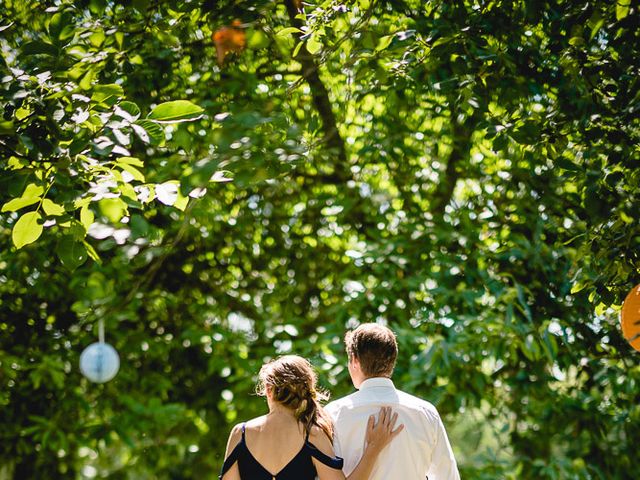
x=320, y=97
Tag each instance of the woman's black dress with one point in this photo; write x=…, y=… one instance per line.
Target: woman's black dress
x=299, y=468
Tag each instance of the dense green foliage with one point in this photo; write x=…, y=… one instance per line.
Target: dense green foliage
x=220, y=192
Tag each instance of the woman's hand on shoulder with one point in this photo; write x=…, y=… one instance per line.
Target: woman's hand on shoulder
x=381, y=433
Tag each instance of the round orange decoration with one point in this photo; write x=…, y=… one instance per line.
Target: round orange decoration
x=229, y=39
x=630, y=317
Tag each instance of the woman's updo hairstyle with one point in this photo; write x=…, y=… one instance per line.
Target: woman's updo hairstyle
x=294, y=385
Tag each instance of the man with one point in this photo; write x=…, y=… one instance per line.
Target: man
x=422, y=449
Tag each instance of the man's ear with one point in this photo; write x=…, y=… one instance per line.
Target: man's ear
x=355, y=363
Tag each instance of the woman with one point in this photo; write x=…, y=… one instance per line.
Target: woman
x=293, y=441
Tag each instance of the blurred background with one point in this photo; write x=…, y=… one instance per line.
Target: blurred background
x=221, y=182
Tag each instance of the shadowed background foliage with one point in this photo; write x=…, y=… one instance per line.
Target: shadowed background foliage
x=224, y=181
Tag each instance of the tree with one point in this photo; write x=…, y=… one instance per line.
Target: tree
x=222, y=182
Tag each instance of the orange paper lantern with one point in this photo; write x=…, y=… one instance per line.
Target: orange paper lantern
x=229, y=39
x=630, y=318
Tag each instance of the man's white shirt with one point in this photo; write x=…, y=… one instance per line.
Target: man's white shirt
x=421, y=450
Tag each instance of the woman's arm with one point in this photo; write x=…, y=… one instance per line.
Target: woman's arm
x=378, y=436
x=234, y=438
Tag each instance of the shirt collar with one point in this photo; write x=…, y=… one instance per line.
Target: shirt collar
x=376, y=382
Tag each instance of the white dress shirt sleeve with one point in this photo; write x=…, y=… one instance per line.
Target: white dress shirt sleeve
x=443, y=463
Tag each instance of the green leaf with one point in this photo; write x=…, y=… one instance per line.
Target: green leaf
x=31, y=195
x=148, y=131
x=51, y=208
x=119, y=38
x=131, y=108
x=136, y=162
x=91, y=252
x=313, y=45
x=288, y=31
x=384, y=42
x=297, y=49
x=549, y=346
x=86, y=217
x=176, y=111
x=577, y=287
x=18, y=203
x=22, y=113
x=576, y=41
x=107, y=94
x=96, y=38
x=137, y=174
x=6, y=127
x=256, y=39
x=71, y=252
x=113, y=208
x=27, y=229
x=61, y=26
x=622, y=9
x=87, y=80
x=181, y=202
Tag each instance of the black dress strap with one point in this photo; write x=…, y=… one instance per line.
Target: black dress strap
x=332, y=462
x=233, y=456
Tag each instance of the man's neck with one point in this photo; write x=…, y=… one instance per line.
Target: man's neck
x=374, y=381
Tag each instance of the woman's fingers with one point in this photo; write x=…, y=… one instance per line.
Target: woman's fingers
x=397, y=431
x=370, y=423
x=389, y=419
x=392, y=422
x=385, y=418
x=381, y=415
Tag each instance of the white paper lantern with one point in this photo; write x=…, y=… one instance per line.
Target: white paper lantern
x=99, y=362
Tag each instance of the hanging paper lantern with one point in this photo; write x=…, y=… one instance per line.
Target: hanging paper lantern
x=99, y=362
x=630, y=317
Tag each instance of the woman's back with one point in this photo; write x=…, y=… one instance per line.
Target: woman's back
x=274, y=440
x=276, y=447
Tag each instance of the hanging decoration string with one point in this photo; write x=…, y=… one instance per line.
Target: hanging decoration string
x=101, y=330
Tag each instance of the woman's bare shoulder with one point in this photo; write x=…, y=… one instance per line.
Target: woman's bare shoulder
x=255, y=423
x=322, y=442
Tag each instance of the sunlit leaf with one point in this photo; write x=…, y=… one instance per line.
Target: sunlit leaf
x=313, y=45
x=113, y=208
x=86, y=216
x=149, y=132
x=107, y=94
x=622, y=9
x=27, y=229
x=51, y=208
x=31, y=195
x=176, y=111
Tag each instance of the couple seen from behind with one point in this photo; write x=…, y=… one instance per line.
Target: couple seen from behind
x=376, y=433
